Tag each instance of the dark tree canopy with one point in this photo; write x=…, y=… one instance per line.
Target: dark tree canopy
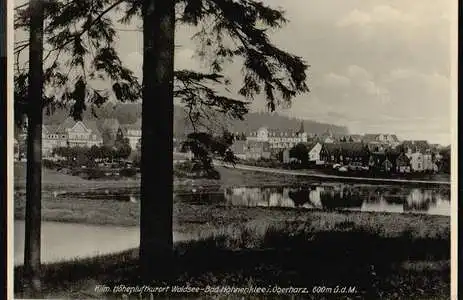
x=300, y=152
x=81, y=35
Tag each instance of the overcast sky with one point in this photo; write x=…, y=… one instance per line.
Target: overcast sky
x=376, y=66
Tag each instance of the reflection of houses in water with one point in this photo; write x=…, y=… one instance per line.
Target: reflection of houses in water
x=305, y=197
x=243, y=196
x=440, y=207
x=420, y=200
x=278, y=200
x=395, y=196
x=341, y=196
x=253, y=197
x=314, y=196
x=382, y=205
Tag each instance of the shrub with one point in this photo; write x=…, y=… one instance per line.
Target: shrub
x=128, y=172
x=212, y=174
x=94, y=173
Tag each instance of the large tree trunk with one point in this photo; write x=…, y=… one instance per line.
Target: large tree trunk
x=157, y=118
x=34, y=151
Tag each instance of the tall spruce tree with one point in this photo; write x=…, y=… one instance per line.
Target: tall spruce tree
x=34, y=151
x=82, y=34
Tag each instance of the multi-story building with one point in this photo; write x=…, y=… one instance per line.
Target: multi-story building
x=70, y=133
x=251, y=149
x=384, y=140
x=422, y=161
x=278, y=139
x=314, y=153
x=344, y=153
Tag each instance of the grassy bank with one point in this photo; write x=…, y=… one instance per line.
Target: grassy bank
x=382, y=255
x=392, y=262
x=123, y=213
x=53, y=180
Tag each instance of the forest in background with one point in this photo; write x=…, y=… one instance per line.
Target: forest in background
x=128, y=113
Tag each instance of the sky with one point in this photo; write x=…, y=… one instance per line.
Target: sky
x=375, y=66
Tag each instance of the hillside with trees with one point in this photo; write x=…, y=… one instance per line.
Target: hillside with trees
x=127, y=113
x=254, y=120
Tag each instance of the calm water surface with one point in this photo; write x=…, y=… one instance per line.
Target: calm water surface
x=65, y=241
x=368, y=198
x=433, y=200
x=62, y=241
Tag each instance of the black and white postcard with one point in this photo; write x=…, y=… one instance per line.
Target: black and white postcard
x=246, y=149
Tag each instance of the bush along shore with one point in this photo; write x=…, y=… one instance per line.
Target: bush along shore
x=317, y=255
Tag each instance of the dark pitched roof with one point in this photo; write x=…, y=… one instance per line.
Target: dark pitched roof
x=310, y=145
x=346, y=146
x=416, y=146
x=256, y=143
x=51, y=129
x=391, y=154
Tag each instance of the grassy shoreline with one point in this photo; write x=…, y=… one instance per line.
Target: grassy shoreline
x=380, y=256
x=384, y=255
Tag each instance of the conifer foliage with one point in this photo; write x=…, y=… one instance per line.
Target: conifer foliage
x=79, y=52
x=80, y=40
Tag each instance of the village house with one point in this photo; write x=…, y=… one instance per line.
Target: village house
x=278, y=139
x=415, y=146
x=344, y=153
x=251, y=149
x=383, y=161
x=403, y=164
x=239, y=149
x=381, y=138
x=375, y=147
x=326, y=138
x=133, y=133
x=422, y=162
x=70, y=133
x=314, y=153
x=421, y=155
x=52, y=139
x=81, y=134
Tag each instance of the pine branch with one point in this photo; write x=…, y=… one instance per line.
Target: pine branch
x=87, y=26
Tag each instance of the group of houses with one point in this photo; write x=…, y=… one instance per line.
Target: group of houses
x=85, y=133
x=373, y=151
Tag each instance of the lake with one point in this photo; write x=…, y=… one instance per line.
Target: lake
x=434, y=200
x=64, y=241
x=368, y=198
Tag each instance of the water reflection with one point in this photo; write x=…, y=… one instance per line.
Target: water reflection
x=334, y=196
